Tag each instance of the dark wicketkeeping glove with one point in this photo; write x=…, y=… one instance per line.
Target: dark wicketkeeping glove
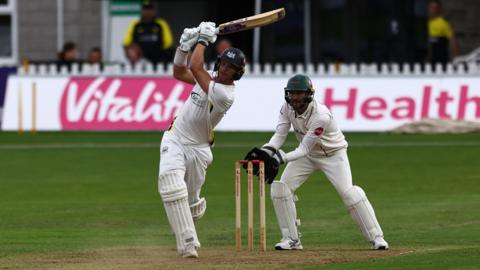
x=271, y=164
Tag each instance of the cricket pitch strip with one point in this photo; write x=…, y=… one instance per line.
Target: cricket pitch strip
x=210, y=258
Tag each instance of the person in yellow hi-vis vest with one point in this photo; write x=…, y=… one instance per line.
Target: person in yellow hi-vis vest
x=152, y=34
x=442, y=44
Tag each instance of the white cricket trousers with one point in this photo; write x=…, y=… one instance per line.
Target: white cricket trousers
x=335, y=167
x=193, y=159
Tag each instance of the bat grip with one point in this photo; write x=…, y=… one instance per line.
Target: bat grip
x=217, y=30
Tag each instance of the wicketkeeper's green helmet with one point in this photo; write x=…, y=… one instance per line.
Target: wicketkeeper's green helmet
x=300, y=83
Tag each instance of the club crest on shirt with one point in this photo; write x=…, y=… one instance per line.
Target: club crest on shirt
x=197, y=99
x=318, y=131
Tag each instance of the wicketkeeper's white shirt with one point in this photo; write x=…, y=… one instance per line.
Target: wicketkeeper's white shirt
x=200, y=114
x=315, y=129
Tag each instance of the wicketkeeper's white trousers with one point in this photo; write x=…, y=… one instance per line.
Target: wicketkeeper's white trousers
x=336, y=168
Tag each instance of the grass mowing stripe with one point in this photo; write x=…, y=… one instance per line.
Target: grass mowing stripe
x=424, y=189
x=224, y=145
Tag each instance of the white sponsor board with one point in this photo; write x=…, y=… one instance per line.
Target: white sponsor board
x=379, y=104
x=22, y=99
x=360, y=104
x=149, y=103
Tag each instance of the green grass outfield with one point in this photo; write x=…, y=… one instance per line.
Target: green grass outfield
x=76, y=192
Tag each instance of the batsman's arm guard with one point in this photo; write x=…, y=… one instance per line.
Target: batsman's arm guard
x=271, y=164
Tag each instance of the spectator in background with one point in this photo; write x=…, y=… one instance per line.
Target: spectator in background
x=134, y=54
x=94, y=56
x=152, y=34
x=222, y=45
x=68, y=55
x=442, y=44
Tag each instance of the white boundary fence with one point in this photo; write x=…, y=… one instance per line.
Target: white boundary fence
x=385, y=69
x=361, y=97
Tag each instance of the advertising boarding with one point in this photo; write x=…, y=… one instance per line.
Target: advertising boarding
x=151, y=103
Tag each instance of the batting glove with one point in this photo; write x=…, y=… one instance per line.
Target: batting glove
x=208, y=33
x=188, y=39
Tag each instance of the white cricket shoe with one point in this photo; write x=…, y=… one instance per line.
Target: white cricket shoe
x=289, y=244
x=190, y=251
x=379, y=243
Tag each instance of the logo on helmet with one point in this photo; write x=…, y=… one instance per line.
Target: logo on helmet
x=295, y=82
x=231, y=55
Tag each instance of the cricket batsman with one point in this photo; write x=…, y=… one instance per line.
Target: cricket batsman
x=185, y=148
x=322, y=148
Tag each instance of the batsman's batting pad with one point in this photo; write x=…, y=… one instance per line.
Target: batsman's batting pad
x=271, y=164
x=173, y=190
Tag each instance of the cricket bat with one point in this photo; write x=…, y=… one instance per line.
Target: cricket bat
x=247, y=23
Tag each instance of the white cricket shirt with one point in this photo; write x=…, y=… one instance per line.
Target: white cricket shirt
x=200, y=114
x=315, y=129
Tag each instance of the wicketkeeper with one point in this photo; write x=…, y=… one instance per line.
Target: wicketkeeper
x=185, y=149
x=322, y=148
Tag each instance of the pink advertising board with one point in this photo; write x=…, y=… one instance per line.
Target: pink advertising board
x=97, y=103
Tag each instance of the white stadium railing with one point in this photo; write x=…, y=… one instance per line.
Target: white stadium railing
x=363, y=97
x=277, y=69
